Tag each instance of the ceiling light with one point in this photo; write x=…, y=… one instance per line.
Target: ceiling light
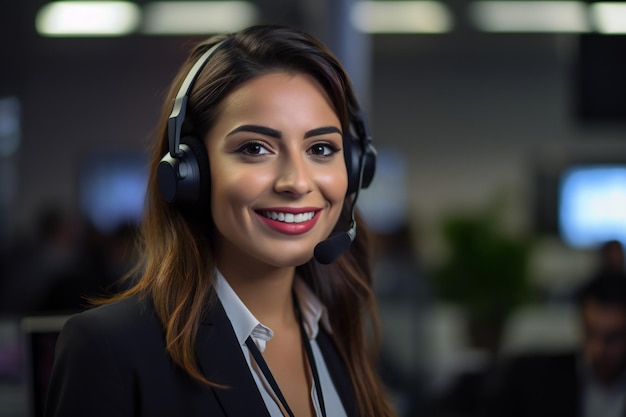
x=197, y=17
x=85, y=18
x=401, y=17
x=529, y=16
x=609, y=18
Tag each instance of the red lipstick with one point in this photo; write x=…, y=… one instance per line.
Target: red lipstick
x=290, y=220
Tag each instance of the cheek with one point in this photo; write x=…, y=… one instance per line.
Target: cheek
x=334, y=184
x=233, y=187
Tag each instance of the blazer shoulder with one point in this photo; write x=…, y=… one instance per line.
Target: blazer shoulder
x=131, y=322
x=104, y=349
x=124, y=315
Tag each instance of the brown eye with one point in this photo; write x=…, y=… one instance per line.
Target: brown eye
x=253, y=148
x=323, y=149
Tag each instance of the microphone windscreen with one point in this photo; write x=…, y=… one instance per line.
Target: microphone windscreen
x=327, y=251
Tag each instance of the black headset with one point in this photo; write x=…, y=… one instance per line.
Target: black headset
x=183, y=175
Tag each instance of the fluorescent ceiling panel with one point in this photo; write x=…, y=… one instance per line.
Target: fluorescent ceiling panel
x=401, y=17
x=85, y=18
x=609, y=18
x=195, y=17
x=530, y=16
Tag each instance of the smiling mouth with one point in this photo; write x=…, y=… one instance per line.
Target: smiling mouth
x=288, y=217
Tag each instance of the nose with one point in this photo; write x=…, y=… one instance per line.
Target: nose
x=294, y=175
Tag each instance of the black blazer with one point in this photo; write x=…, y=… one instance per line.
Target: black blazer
x=111, y=361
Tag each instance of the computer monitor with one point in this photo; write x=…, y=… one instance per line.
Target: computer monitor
x=112, y=187
x=592, y=204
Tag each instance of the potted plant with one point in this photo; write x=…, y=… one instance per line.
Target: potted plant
x=486, y=272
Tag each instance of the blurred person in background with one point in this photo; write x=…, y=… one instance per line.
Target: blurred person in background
x=588, y=383
x=612, y=257
x=232, y=314
x=55, y=255
x=65, y=262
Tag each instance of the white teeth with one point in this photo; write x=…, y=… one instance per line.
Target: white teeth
x=289, y=217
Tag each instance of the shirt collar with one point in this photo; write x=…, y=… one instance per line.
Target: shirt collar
x=245, y=324
x=313, y=311
x=243, y=321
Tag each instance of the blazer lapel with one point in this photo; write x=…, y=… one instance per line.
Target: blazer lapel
x=222, y=361
x=338, y=372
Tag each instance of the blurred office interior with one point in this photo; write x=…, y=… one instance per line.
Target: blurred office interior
x=499, y=125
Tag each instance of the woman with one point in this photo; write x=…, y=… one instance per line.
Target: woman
x=232, y=315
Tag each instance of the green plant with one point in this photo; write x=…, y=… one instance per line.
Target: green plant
x=486, y=271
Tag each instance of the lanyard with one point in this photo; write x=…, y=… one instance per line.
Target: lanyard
x=270, y=378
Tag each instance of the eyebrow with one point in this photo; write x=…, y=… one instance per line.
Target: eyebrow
x=268, y=131
x=322, y=131
x=262, y=130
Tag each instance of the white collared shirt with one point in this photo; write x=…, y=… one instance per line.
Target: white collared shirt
x=245, y=324
x=600, y=400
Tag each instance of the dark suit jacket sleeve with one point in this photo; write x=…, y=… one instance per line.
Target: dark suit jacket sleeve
x=86, y=378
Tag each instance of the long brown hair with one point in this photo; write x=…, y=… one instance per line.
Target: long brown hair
x=177, y=260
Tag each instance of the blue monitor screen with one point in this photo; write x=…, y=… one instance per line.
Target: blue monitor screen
x=592, y=205
x=112, y=187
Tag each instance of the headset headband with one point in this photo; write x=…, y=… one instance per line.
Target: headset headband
x=175, y=121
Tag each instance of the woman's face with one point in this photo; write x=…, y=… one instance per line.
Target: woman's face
x=278, y=177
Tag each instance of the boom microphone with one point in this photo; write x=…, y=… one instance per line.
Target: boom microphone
x=327, y=251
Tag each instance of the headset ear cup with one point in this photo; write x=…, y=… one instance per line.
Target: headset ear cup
x=167, y=177
x=199, y=186
x=369, y=166
x=182, y=178
x=351, y=155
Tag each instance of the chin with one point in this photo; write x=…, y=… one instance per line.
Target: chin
x=286, y=260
